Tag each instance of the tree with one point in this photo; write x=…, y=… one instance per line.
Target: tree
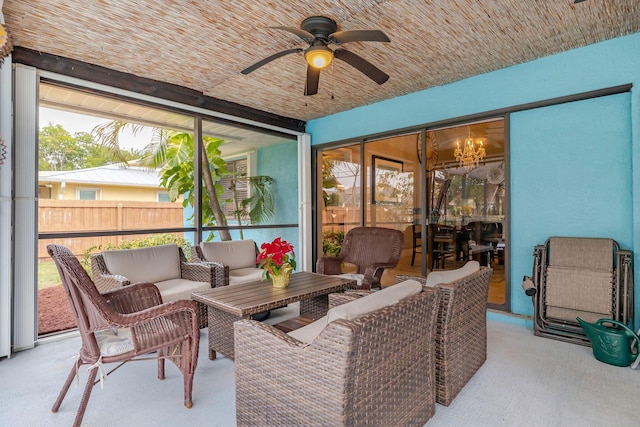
x=174, y=156
x=329, y=180
x=259, y=206
x=173, y=153
x=59, y=150
x=98, y=155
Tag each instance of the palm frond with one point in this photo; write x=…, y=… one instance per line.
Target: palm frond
x=260, y=204
x=108, y=134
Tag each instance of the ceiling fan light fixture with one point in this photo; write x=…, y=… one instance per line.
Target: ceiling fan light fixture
x=319, y=32
x=318, y=56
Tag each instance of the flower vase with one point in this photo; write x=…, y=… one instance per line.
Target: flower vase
x=281, y=280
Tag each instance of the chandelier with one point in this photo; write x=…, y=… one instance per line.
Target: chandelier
x=469, y=156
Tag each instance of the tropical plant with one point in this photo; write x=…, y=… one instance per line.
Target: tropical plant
x=174, y=157
x=259, y=206
x=332, y=242
x=329, y=180
x=173, y=153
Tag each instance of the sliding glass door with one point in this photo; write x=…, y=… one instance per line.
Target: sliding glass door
x=340, y=198
x=463, y=192
x=468, y=162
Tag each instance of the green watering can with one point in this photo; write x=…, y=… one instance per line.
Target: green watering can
x=613, y=345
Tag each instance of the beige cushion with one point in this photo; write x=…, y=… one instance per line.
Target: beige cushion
x=244, y=275
x=375, y=301
x=113, y=342
x=359, y=307
x=153, y=264
x=234, y=253
x=178, y=289
x=309, y=332
x=437, y=277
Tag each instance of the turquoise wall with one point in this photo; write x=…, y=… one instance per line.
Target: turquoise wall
x=605, y=186
x=281, y=163
x=571, y=175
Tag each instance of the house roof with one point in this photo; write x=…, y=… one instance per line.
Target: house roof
x=129, y=176
x=204, y=44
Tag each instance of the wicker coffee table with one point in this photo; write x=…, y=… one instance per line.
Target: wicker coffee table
x=231, y=303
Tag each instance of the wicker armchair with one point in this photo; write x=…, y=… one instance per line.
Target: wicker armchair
x=461, y=330
x=376, y=369
x=370, y=249
x=166, y=266
x=143, y=324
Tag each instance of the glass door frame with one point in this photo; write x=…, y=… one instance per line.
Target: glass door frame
x=423, y=177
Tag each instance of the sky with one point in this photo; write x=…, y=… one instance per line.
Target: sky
x=73, y=123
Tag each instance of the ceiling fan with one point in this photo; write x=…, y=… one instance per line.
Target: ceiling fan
x=319, y=32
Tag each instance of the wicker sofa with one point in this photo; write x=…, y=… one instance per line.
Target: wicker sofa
x=165, y=266
x=461, y=328
x=233, y=261
x=375, y=368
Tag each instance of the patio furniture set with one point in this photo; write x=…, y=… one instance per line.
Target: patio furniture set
x=360, y=357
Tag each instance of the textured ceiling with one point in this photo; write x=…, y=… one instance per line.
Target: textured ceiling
x=204, y=44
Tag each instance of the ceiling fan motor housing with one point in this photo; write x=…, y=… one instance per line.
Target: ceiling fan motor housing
x=320, y=26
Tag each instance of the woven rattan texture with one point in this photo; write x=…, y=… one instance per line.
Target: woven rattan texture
x=375, y=370
x=461, y=332
x=345, y=297
x=220, y=270
x=242, y=301
x=171, y=330
x=370, y=249
x=198, y=272
x=203, y=45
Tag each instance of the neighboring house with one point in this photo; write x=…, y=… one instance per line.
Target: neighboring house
x=110, y=182
x=105, y=198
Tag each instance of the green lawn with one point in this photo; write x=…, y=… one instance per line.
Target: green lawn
x=48, y=274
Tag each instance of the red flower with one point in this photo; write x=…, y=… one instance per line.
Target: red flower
x=274, y=255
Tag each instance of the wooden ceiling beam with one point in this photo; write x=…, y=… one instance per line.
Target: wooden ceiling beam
x=171, y=92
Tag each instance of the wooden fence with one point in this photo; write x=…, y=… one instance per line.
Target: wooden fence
x=337, y=218
x=59, y=216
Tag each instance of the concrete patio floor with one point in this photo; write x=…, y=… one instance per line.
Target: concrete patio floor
x=526, y=381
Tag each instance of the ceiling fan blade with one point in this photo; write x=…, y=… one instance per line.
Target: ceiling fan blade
x=362, y=65
x=269, y=59
x=358, y=36
x=313, y=77
x=304, y=35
